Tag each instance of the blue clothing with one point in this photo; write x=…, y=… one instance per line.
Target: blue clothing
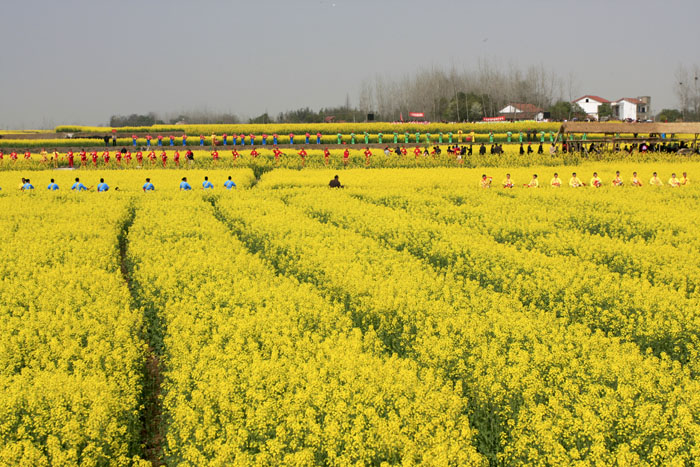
x=207, y=184
x=102, y=187
x=229, y=184
x=148, y=186
x=185, y=186
x=27, y=186
x=78, y=186
x=52, y=187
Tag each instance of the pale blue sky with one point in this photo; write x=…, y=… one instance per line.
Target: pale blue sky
x=80, y=61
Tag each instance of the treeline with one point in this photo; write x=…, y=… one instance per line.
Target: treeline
x=151, y=118
x=449, y=95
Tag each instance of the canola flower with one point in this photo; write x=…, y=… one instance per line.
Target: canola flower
x=71, y=348
x=468, y=331
x=262, y=370
x=410, y=318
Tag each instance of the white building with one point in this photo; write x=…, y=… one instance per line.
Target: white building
x=629, y=108
x=590, y=104
x=521, y=111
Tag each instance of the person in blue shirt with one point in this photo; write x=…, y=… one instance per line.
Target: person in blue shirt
x=27, y=185
x=148, y=186
x=52, y=186
x=78, y=185
x=206, y=184
x=184, y=185
x=229, y=183
x=102, y=186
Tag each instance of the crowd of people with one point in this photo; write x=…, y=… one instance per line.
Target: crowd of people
x=102, y=186
x=595, y=181
x=485, y=182
x=149, y=157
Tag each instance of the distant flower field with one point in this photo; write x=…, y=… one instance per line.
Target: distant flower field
x=411, y=317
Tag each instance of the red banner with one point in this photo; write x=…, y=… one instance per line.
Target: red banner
x=416, y=114
x=495, y=119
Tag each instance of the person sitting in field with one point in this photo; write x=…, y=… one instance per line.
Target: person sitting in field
x=78, y=186
x=485, y=181
x=522, y=149
x=534, y=183
x=552, y=149
x=508, y=182
x=673, y=181
x=555, y=181
x=229, y=183
x=635, y=180
x=540, y=149
x=596, y=181
x=335, y=183
x=27, y=185
x=102, y=186
x=617, y=181
x=482, y=149
x=655, y=180
x=184, y=185
x=529, y=148
x=574, y=181
x=685, y=180
x=148, y=186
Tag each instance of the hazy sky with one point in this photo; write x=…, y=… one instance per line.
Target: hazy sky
x=80, y=61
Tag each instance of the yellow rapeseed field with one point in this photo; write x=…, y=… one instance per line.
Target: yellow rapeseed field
x=416, y=316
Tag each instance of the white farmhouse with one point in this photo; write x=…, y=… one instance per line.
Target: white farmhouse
x=521, y=111
x=590, y=104
x=629, y=108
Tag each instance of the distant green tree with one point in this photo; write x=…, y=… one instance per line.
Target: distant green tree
x=264, y=118
x=669, y=115
x=133, y=120
x=604, y=110
x=564, y=110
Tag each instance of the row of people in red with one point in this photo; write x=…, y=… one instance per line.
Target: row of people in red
x=124, y=155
